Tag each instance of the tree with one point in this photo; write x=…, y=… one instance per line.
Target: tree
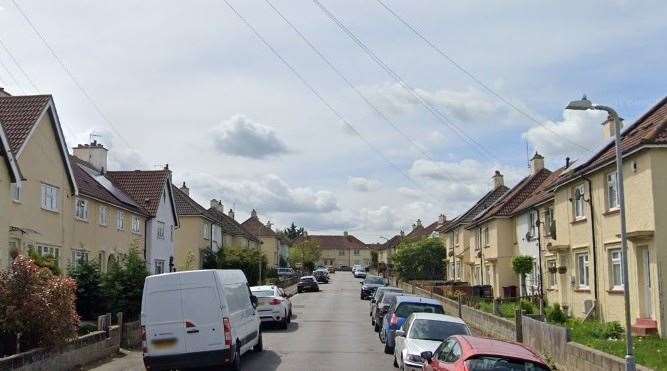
x=36, y=304
x=523, y=265
x=419, y=260
x=241, y=258
x=305, y=254
x=90, y=302
x=294, y=232
x=123, y=284
x=374, y=259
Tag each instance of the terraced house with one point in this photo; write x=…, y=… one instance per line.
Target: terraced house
x=10, y=178
x=270, y=241
x=586, y=249
x=464, y=262
x=233, y=233
x=337, y=250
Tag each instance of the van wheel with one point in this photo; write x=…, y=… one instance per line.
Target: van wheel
x=289, y=316
x=284, y=323
x=260, y=344
x=236, y=363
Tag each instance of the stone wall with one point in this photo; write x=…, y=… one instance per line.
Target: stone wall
x=131, y=337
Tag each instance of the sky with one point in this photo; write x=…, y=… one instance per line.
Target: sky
x=403, y=135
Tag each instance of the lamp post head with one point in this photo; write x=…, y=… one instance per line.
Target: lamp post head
x=580, y=105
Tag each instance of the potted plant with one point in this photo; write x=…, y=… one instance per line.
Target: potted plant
x=553, y=269
x=562, y=269
x=479, y=254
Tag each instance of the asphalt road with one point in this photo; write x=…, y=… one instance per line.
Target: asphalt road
x=331, y=331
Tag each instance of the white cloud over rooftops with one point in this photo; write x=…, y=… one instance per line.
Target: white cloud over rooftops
x=243, y=137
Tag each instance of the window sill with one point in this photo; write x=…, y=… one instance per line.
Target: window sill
x=578, y=221
x=17, y=202
x=103, y=225
x=137, y=233
x=551, y=289
x=616, y=291
x=583, y=290
x=81, y=219
x=613, y=211
x=51, y=211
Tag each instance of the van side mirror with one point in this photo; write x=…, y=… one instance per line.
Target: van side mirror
x=253, y=300
x=400, y=333
x=427, y=356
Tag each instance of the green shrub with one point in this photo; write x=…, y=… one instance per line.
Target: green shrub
x=609, y=330
x=90, y=301
x=486, y=306
x=527, y=307
x=555, y=314
x=123, y=284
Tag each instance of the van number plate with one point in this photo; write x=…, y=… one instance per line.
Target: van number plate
x=164, y=343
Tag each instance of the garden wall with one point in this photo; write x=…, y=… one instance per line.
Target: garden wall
x=131, y=337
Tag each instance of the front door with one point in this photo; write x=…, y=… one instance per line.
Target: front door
x=647, y=291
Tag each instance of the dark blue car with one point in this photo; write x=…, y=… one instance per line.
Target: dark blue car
x=401, y=307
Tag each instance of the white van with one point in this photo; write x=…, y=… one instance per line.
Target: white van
x=198, y=319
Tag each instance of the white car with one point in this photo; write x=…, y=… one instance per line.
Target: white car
x=273, y=305
x=203, y=318
x=423, y=332
x=358, y=271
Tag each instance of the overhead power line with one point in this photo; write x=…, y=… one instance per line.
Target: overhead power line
x=323, y=100
x=9, y=73
x=440, y=117
x=18, y=65
x=475, y=78
x=69, y=73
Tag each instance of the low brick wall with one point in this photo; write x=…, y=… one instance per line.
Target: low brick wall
x=85, y=349
x=131, y=335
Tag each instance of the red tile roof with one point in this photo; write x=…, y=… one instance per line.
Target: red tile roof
x=144, y=186
x=541, y=194
x=256, y=227
x=510, y=200
x=185, y=205
x=420, y=231
x=330, y=242
x=392, y=242
x=18, y=115
x=485, y=202
x=231, y=226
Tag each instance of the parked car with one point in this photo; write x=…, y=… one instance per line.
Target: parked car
x=468, y=353
x=369, y=285
x=199, y=318
x=359, y=271
x=273, y=305
x=286, y=272
x=401, y=307
x=377, y=295
x=331, y=269
x=307, y=283
x=382, y=309
x=344, y=268
x=424, y=332
x=321, y=276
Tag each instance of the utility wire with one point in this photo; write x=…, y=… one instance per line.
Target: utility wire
x=323, y=100
x=18, y=65
x=10, y=74
x=442, y=118
x=69, y=73
x=475, y=78
x=349, y=83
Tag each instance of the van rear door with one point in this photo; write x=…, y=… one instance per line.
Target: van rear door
x=202, y=312
x=163, y=317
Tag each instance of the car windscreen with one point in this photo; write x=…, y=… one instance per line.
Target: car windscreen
x=425, y=329
x=307, y=279
x=263, y=293
x=405, y=309
x=387, y=296
x=492, y=363
x=374, y=281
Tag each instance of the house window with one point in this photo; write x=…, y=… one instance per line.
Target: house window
x=159, y=266
x=356, y=252
x=160, y=230
x=612, y=191
x=120, y=220
x=616, y=269
x=15, y=192
x=204, y=231
x=582, y=270
x=488, y=275
x=549, y=225
x=79, y=256
x=104, y=215
x=341, y=252
x=485, y=236
x=457, y=269
x=478, y=239
x=49, y=197
x=578, y=200
x=551, y=269
x=532, y=220
x=478, y=274
x=456, y=237
x=48, y=251
x=81, y=209
x=136, y=224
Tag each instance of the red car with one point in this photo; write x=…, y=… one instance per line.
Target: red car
x=469, y=353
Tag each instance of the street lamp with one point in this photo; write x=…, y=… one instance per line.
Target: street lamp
x=583, y=105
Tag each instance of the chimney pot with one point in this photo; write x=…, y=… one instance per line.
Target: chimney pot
x=567, y=162
x=536, y=163
x=185, y=189
x=253, y=213
x=95, y=155
x=231, y=213
x=498, y=180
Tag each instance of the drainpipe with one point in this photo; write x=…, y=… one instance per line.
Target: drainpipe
x=539, y=259
x=594, y=243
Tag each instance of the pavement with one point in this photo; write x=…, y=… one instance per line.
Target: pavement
x=330, y=331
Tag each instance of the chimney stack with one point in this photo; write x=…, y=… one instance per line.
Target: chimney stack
x=536, y=164
x=498, y=180
x=345, y=234
x=3, y=93
x=217, y=205
x=93, y=153
x=609, y=128
x=567, y=162
x=185, y=189
x=268, y=224
x=231, y=214
x=253, y=213
x=402, y=233
x=442, y=219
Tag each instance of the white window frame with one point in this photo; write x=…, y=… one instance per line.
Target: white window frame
x=50, y=198
x=81, y=209
x=136, y=224
x=158, y=266
x=578, y=203
x=356, y=252
x=613, y=202
x=103, y=212
x=478, y=239
x=616, y=265
x=583, y=270
x=78, y=255
x=15, y=191
x=552, y=278
x=120, y=220
x=45, y=250
x=532, y=219
x=160, y=230
x=341, y=252
x=548, y=220
x=485, y=236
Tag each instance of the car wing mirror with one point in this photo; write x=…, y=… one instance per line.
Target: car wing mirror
x=427, y=356
x=400, y=333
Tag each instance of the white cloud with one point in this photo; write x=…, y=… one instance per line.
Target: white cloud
x=410, y=192
x=556, y=138
x=269, y=194
x=362, y=184
x=240, y=136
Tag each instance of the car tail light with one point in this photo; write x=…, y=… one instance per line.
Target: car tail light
x=275, y=301
x=144, y=348
x=394, y=320
x=227, y=327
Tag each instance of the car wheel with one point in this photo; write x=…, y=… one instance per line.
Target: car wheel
x=299, y=290
x=260, y=344
x=289, y=316
x=388, y=349
x=236, y=363
x=284, y=323
x=377, y=327
x=380, y=333
x=395, y=361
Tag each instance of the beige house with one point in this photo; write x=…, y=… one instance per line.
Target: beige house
x=463, y=262
x=233, y=233
x=340, y=250
x=587, y=243
x=40, y=213
x=493, y=239
x=198, y=232
x=387, y=249
x=10, y=180
x=271, y=244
